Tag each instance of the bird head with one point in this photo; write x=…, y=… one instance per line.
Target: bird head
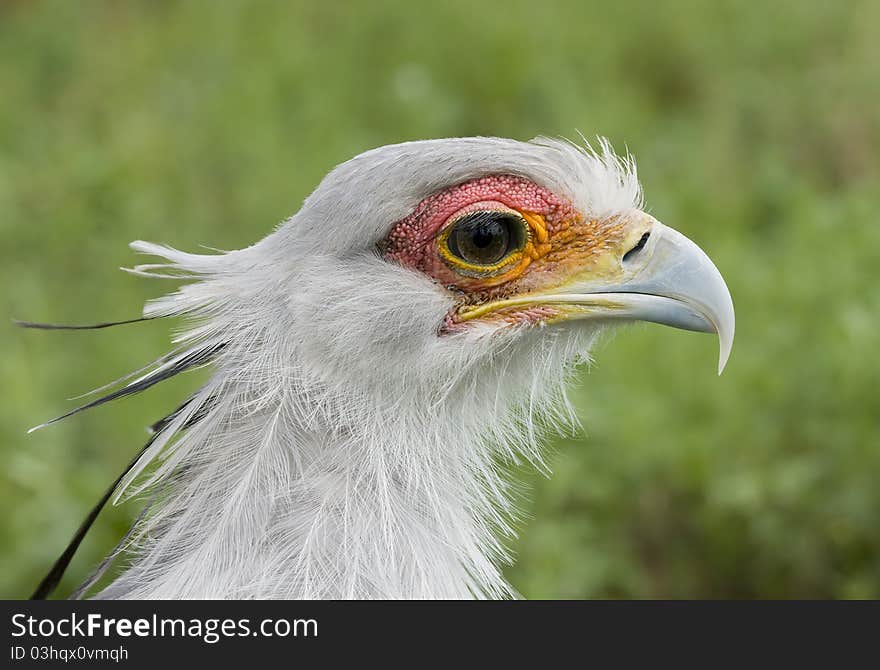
x=428, y=299
x=465, y=261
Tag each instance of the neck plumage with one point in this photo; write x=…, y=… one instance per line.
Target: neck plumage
x=293, y=474
x=280, y=504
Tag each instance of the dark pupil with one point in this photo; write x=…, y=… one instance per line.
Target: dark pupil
x=484, y=234
x=482, y=238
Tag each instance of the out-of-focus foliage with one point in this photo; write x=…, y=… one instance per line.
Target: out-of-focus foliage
x=756, y=127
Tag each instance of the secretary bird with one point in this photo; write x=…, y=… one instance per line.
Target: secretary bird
x=377, y=362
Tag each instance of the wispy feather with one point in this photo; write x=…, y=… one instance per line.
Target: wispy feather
x=340, y=447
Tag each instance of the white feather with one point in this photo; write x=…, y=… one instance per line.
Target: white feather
x=347, y=451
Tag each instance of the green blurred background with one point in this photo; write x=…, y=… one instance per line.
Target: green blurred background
x=756, y=129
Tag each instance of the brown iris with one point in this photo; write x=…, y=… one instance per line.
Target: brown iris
x=482, y=240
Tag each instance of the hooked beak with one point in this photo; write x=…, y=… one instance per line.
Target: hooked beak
x=663, y=278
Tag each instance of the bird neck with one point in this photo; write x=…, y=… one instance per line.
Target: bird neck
x=332, y=456
x=294, y=501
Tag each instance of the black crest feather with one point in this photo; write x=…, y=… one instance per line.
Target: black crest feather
x=167, y=367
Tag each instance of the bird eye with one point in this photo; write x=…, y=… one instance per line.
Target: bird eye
x=484, y=240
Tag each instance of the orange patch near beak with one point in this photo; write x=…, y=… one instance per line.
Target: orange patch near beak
x=553, y=255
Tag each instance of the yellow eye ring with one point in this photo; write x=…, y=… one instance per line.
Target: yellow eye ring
x=484, y=243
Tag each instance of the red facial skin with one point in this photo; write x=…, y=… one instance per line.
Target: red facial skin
x=410, y=240
x=560, y=240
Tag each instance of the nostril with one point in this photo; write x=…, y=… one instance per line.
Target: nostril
x=643, y=240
